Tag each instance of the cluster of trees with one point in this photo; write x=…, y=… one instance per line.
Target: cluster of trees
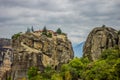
x=48, y=34
x=105, y=68
x=45, y=31
x=15, y=36
x=59, y=31
x=30, y=30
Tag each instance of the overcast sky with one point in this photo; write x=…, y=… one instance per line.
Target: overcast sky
x=75, y=17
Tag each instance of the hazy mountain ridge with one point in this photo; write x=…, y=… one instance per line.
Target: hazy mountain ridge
x=78, y=49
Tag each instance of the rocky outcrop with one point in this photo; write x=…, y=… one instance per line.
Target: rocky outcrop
x=36, y=49
x=99, y=39
x=5, y=58
x=5, y=43
x=5, y=64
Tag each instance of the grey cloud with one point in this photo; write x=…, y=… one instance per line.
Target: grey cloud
x=49, y=5
x=75, y=17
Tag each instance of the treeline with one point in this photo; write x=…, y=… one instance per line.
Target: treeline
x=58, y=31
x=44, y=32
x=105, y=68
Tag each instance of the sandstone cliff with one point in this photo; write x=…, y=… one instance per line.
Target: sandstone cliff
x=36, y=49
x=99, y=39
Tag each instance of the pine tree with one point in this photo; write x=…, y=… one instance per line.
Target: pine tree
x=44, y=31
x=103, y=26
x=59, y=31
x=28, y=30
x=32, y=29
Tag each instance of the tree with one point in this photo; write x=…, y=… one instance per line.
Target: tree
x=16, y=35
x=49, y=35
x=32, y=72
x=103, y=26
x=68, y=76
x=59, y=31
x=117, y=70
x=28, y=30
x=56, y=76
x=48, y=71
x=44, y=31
x=32, y=29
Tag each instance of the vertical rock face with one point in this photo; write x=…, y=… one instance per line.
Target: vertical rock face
x=99, y=39
x=5, y=58
x=119, y=39
x=35, y=49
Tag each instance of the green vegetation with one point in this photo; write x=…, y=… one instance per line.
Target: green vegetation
x=103, y=26
x=105, y=68
x=49, y=35
x=59, y=31
x=45, y=29
x=46, y=33
x=119, y=32
x=28, y=30
x=9, y=78
x=15, y=36
x=32, y=72
x=32, y=29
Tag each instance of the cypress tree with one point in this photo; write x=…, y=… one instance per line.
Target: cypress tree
x=59, y=31
x=32, y=29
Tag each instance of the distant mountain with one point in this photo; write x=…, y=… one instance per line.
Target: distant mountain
x=78, y=49
x=5, y=43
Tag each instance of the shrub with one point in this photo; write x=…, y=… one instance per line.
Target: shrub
x=16, y=35
x=32, y=72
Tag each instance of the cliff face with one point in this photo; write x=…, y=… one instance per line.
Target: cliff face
x=35, y=49
x=99, y=39
x=119, y=39
x=5, y=58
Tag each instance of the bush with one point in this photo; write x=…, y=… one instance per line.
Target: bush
x=56, y=76
x=32, y=72
x=16, y=35
x=49, y=35
x=105, y=68
x=111, y=54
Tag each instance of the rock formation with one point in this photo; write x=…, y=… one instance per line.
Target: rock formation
x=5, y=58
x=99, y=39
x=119, y=38
x=5, y=64
x=5, y=43
x=40, y=50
